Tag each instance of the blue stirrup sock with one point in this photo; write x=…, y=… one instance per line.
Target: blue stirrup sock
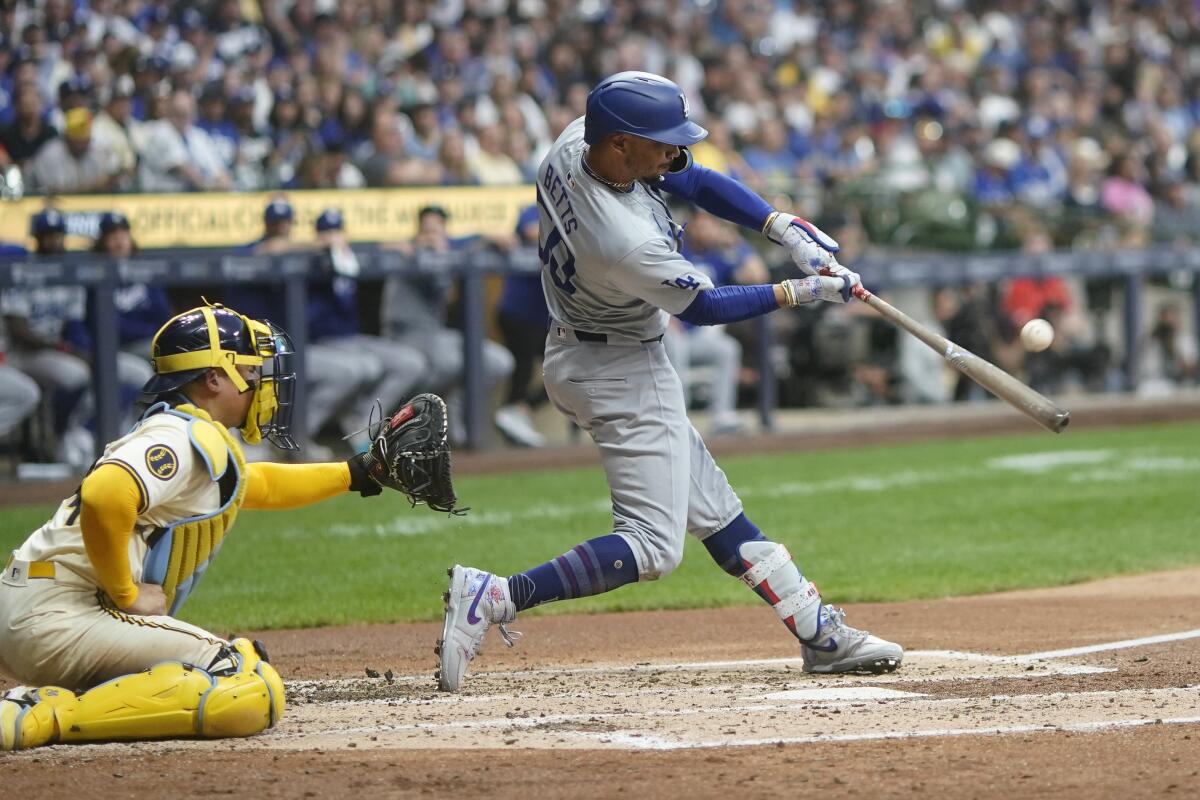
x=742, y=550
x=593, y=567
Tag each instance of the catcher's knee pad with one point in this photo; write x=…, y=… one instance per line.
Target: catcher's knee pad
x=771, y=573
x=247, y=695
x=239, y=695
x=27, y=716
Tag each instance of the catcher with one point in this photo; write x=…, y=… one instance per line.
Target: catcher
x=87, y=602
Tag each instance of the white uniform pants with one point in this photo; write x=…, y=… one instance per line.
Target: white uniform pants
x=54, y=633
x=662, y=478
x=19, y=396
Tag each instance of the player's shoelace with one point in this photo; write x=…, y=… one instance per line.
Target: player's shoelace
x=835, y=618
x=509, y=637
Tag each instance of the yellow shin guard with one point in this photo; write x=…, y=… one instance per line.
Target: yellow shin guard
x=27, y=716
x=168, y=701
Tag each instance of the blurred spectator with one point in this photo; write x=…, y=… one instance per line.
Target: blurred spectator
x=29, y=132
x=37, y=320
x=142, y=308
x=717, y=250
x=19, y=395
x=1074, y=360
x=1176, y=216
x=1168, y=357
x=387, y=164
x=76, y=163
x=178, y=156
x=254, y=144
x=333, y=324
x=523, y=320
x=414, y=312
x=116, y=130
x=490, y=165
x=49, y=341
x=1124, y=195
x=212, y=120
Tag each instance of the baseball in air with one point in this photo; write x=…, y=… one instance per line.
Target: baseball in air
x=1037, y=335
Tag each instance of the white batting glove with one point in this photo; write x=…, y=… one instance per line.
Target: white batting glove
x=836, y=270
x=831, y=289
x=809, y=246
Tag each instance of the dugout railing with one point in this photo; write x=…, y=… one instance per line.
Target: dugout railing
x=290, y=274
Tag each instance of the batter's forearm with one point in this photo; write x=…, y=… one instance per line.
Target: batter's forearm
x=282, y=486
x=109, y=501
x=719, y=195
x=733, y=304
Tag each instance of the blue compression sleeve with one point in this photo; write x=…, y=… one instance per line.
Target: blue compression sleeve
x=730, y=304
x=719, y=195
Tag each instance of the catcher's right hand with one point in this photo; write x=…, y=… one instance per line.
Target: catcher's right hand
x=410, y=453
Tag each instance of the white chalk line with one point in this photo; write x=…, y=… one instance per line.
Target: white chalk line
x=683, y=666
x=691, y=666
x=799, y=704
x=648, y=742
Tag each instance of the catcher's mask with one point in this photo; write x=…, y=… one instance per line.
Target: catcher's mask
x=215, y=337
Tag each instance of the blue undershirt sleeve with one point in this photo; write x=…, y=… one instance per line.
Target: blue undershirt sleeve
x=730, y=304
x=719, y=195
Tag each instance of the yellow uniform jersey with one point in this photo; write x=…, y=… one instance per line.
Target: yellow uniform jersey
x=174, y=483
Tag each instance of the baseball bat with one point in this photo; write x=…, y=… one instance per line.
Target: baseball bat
x=1032, y=404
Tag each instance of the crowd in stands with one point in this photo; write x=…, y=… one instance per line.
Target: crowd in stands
x=1076, y=111
x=940, y=124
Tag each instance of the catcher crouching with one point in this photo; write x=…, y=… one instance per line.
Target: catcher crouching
x=87, y=602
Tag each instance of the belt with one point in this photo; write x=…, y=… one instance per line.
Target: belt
x=601, y=338
x=31, y=569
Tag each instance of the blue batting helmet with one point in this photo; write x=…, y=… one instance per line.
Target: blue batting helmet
x=641, y=104
x=49, y=220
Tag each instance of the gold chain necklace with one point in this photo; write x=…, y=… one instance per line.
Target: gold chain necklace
x=620, y=187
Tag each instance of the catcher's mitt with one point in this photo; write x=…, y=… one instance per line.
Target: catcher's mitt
x=410, y=454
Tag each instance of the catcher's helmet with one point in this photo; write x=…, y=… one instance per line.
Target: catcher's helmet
x=642, y=104
x=215, y=337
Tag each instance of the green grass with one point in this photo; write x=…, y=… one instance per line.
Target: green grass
x=888, y=523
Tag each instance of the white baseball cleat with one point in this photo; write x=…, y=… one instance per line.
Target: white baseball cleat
x=474, y=602
x=839, y=648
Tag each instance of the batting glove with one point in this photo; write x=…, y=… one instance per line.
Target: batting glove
x=836, y=270
x=809, y=246
x=831, y=289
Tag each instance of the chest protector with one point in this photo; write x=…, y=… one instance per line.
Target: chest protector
x=181, y=552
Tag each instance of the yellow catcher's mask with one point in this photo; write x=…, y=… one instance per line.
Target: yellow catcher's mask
x=215, y=337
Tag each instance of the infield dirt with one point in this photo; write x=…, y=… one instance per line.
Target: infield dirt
x=623, y=704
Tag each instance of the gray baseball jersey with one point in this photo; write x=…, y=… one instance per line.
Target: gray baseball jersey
x=611, y=259
x=611, y=265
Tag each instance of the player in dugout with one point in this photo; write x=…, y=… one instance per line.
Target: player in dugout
x=87, y=603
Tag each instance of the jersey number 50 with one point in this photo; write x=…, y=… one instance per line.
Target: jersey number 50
x=557, y=256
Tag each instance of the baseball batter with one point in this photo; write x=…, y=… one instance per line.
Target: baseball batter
x=87, y=602
x=612, y=273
